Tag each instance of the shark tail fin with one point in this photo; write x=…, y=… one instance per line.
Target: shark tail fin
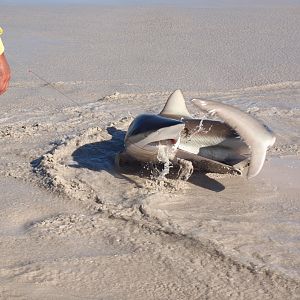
x=257, y=136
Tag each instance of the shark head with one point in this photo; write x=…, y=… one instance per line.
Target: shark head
x=148, y=133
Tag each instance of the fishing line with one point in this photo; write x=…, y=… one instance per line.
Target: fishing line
x=59, y=91
x=48, y=84
x=53, y=86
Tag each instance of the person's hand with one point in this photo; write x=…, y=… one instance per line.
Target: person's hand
x=4, y=74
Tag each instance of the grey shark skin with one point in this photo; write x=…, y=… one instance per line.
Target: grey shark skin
x=257, y=136
x=210, y=145
x=147, y=132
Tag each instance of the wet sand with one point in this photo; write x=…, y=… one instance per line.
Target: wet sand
x=73, y=227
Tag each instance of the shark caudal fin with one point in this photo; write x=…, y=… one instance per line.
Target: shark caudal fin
x=257, y=136
x=175, y=107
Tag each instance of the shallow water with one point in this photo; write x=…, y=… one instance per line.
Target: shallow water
x=253, y=223
x=115, y=234
x=256, y=222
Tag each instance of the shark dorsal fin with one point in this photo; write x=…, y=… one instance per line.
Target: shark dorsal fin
x=175, y=107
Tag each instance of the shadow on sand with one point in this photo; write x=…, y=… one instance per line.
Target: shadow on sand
x=100, y=156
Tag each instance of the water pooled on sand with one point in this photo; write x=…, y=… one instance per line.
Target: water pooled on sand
x=75, y=227
x=240, y=218
x=252, y=225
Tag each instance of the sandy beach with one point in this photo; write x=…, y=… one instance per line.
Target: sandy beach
x=72, y=226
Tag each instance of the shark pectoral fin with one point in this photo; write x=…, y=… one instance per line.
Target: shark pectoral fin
x=258, y=156
x=205, y=164
x=191, y=156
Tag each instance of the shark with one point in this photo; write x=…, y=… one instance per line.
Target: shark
x=235, y=144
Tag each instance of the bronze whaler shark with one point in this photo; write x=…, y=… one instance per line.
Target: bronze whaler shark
x=239, y=143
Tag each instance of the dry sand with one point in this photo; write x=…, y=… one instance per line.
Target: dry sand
x=72, y=227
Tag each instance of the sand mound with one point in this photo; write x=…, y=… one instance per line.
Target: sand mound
x=83, y=168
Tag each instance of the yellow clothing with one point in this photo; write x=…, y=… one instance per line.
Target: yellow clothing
x=1, y=44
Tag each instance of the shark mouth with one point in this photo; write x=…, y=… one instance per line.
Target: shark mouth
x=147, y=133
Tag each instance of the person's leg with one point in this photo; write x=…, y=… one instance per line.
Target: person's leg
x=4, y=68
x=4, y=74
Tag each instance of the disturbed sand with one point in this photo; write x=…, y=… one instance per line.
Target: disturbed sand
x=73, y=226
